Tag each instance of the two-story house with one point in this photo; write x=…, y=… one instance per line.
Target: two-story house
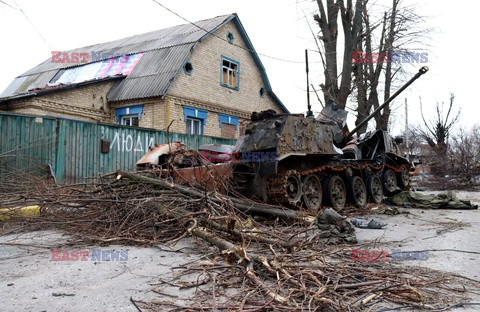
x=199, y=78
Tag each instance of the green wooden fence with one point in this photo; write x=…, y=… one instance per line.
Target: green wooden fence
x=71, y=150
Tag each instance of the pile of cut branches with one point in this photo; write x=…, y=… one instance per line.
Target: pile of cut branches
x=276, y=262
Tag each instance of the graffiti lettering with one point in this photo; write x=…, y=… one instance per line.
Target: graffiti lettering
x=125, y=142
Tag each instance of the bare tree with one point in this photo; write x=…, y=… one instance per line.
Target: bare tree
x=464, y=153
x=328, y=22
x=398, y=33
x=395, y=32
x=367, y=75
x=436, y=131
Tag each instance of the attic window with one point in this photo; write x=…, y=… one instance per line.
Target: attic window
x=230, y=73
x=188, y=68
x=230, y=37
x=261, y=92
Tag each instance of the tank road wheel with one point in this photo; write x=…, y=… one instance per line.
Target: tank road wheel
x=294, y=188
x=403, y=178
x=389, y=181
x=312, y=192
x=375, y=189
x=336, y=193
x=358, y=192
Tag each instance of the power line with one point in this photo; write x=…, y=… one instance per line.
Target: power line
x=36, y=29
x=216, y=36
x=8, y=5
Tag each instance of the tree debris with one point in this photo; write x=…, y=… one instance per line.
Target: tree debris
x=269, y=257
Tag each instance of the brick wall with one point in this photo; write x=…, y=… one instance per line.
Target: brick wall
x=212, y=126
x=154, y=114
x=228, y=131
x=82, y=103
x=202, y=88
x=204, y=82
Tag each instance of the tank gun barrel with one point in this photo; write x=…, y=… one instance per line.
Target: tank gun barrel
x=422, y=71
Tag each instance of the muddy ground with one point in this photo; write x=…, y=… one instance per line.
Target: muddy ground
x=31, y=281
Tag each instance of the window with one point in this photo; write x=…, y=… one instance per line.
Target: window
x=129, y=116
x=229, y=125
x=195, y=120
x=228, y=131
x=230, y=73
x=188, y=68
x=261, y=92
x=230, y=37
x=194, y=126
x=129, y=120
x=227, y=119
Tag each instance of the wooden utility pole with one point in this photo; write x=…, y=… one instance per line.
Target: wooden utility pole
x=406, y=129
x=309, y=111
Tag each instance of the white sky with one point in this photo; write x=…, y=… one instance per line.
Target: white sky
x=276, y=28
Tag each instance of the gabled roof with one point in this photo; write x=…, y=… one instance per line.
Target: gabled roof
x=164, y=52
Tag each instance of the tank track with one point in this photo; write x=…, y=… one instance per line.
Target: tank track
x=278, y=186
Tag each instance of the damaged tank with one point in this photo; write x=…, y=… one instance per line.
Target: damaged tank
x=309, y=162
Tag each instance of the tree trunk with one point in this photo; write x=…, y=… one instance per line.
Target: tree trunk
x=383, y=117
x=371, y=73
x=327, y=21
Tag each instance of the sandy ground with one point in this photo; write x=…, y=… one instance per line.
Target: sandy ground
x=30, y=281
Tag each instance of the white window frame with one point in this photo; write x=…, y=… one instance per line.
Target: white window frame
x=230, y=73
x=196, y=126
x=124, y=119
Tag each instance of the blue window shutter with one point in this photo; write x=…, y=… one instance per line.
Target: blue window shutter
x=232, y=120
x=119, y=112
x=223, y=119
x=195, y=113
x=138, y=109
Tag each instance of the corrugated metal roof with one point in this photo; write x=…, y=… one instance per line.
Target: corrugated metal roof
x=159, y=39
x=165, y=50
x=150, y=77
x=41, y=79
x=13, y=86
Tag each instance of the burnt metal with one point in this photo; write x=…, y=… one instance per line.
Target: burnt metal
x=294, y=154
x=152, y=157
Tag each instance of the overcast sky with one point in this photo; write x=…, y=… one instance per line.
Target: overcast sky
x=278, y=30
